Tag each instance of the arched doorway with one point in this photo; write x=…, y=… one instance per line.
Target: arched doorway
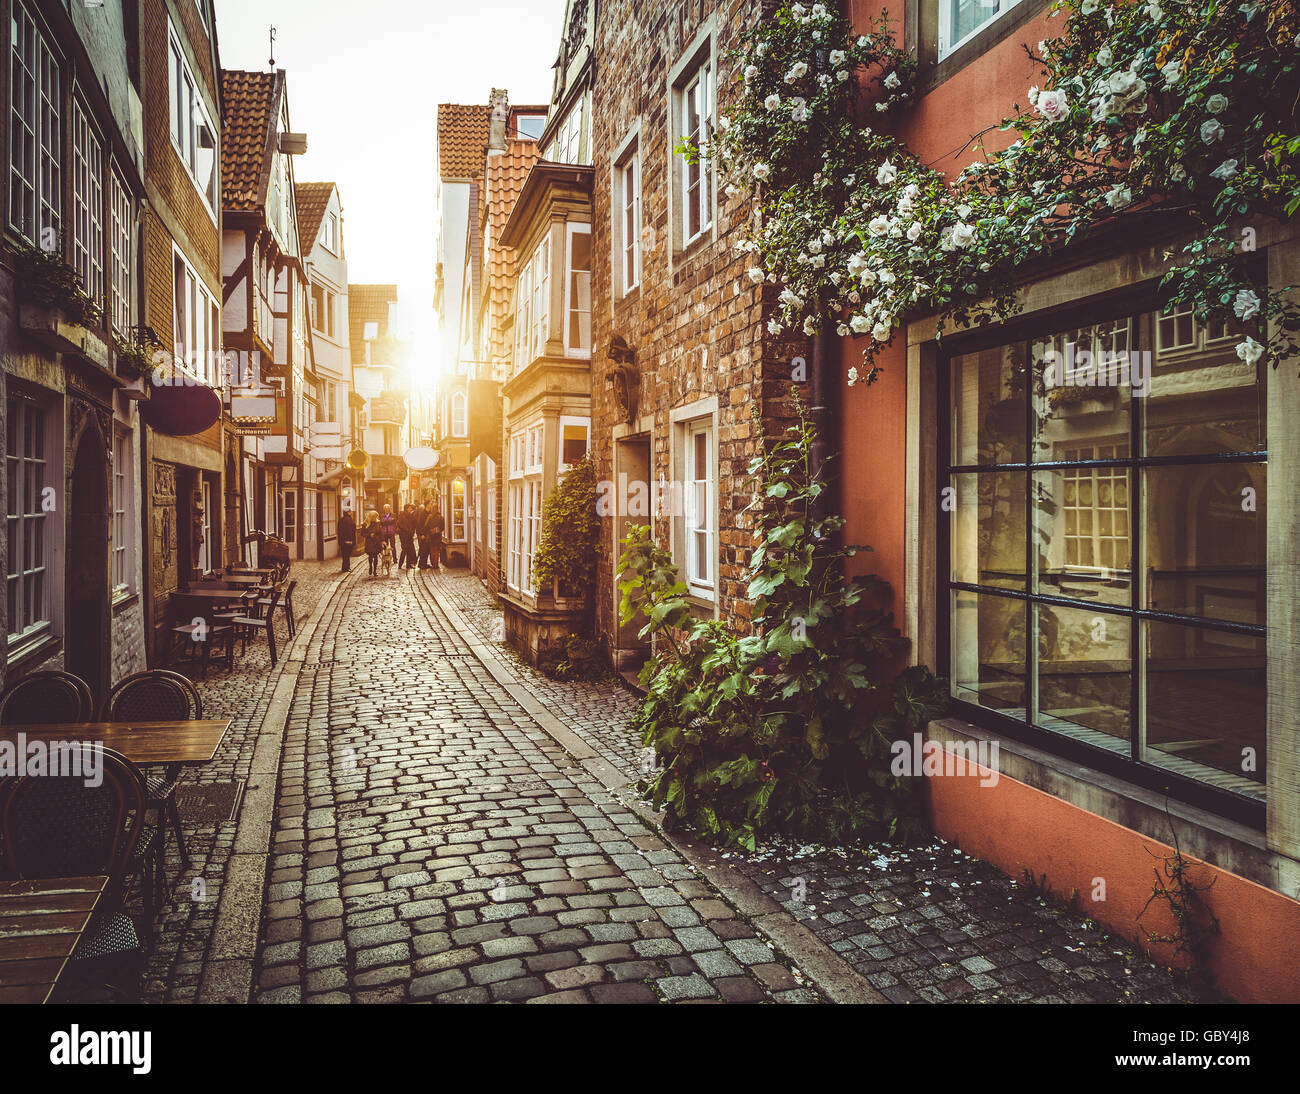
x=86, y=631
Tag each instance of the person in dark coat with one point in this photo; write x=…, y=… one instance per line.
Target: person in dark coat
x=347, y=538
x=388, y=524
x=406, y=533
x=422, y=531
x=436, y=526
x=373, y=534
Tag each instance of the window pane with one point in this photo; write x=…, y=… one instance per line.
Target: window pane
x=988, y=529
x=988, y=406
x=1206, y=705
x=1081, y=522
x=1084, y=675
x=1203, y=399
x=1084, y=381
x=1204, y=530
x=988, y=652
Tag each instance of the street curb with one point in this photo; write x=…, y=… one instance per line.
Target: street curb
x=829, y=973
x=230, y=964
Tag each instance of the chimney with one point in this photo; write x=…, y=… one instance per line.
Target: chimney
x=500, y=104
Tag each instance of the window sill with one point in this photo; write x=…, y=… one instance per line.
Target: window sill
x=25, y=653
x=122, y=601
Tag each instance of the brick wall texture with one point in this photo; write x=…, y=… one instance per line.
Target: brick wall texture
x=699, y=328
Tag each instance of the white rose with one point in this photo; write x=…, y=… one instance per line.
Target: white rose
x=1216, y=104
x=881, y=331
x=750, y=72
x=1154, y=12
x=837, y=57
x=1250, y=351
x=893, y=82
x=772, y=102
x=1172, y=72
x=755, y=274
x=860, y=324
x=853, y=376
x=1118, y=197
x=887, y=277
x=868, y=278
x=773, y=327
x=842, y=75
x=1105, y=57
x=881, y=107
x=798, y=71
x=1089, y=6
x=798, y=110
x=1211, y=131
x=914, y=231
x=1053, y=106
x=878, y=226
x=886, y=174
x=1226, y=170
x=857, y=263
x=1246, y=305
x=761, y=171
x=1033, y=95
x=962, y=234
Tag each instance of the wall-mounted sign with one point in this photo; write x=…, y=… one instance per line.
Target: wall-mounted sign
x=181, y=410
x=421, y=459
x=358, y=460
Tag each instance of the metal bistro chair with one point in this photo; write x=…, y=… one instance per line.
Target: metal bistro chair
x=55, y=825
x=47, y=698
x=286, y=603
x=158, y=695
x=245, y=624
x=193, y=617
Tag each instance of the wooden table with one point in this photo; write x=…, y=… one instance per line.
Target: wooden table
x=222, y=594
x=142, y=743
x=41, y=922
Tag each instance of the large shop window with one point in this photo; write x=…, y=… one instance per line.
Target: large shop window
x=1104, y=493
x=35, y=133
x=28, y=447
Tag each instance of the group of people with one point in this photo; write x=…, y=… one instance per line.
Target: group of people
x=421, y=524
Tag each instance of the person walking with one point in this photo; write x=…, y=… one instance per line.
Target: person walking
x=436, y=526
x=406, y=533
x=373, y=534
x=388, y=525
x=422, y=533
x=347, y=538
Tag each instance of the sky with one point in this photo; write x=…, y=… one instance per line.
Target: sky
x=364, y=83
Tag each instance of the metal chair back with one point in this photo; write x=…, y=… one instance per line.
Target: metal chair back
x=46, y=698
x=56, y=825
x=158, y=695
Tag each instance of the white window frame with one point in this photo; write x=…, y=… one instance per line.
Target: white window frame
x=567, y=421
x=459, y=414
x=36, y=184
x=35, y=470
x=205, y=559
x=185, y=102
x=948, y=47
x=121, y=230
x=457, y=522
x=289, y=515
x=123, y=515
x=693, y=104
x=625, y=203
x=196, y=340
x=329, y=236
x=571, y=307
x=699, y=526
x=87, y=203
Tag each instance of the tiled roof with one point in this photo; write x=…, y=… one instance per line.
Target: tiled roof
x=312, y=199
x=505, y=179
x=367, y=304
x=249, y=101
x=463, y=133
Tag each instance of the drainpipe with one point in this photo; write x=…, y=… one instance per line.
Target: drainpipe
x=824, y=411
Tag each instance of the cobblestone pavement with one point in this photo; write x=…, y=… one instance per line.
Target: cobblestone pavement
x=433, y=843
x=921, y=924
x=183, y=930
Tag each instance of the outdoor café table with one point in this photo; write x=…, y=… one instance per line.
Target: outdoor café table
x=143, y=743
x=216, y=595
x=41, y=921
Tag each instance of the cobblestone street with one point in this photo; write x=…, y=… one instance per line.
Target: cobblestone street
x=433, y=841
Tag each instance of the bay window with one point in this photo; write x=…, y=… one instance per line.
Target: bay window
x=577, y=292
x=35, y=133
x=1104, y=575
